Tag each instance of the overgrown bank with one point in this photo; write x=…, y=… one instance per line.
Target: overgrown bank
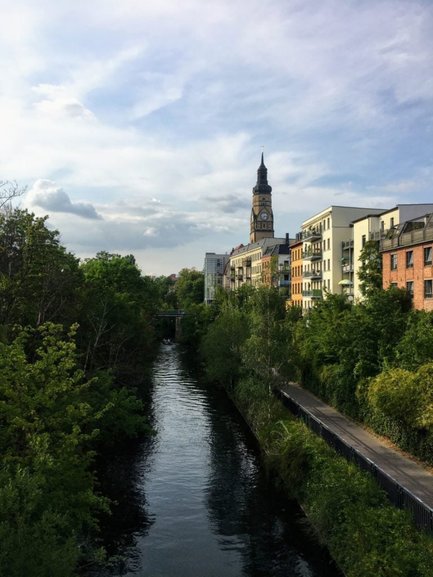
x=252, y=340
x=364, y=533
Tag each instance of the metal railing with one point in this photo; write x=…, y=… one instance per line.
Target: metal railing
x=398, y=495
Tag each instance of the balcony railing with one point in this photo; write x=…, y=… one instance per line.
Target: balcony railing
x=414, y=236
x=311, y=235
x=347, y=268
x=246, y=262
x=315, y=254
x=347, y=244
x=313, y=294
x=313, y=274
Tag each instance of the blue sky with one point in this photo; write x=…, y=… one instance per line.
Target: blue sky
x=138, y=126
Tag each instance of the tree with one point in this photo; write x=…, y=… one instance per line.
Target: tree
x=370, y=271
x=117, y=305
x=8, y=191
x=189, y=287
x=222, y=345
x=266, y=351
x=39, y=279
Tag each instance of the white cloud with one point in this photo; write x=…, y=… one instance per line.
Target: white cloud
x=118, y=103
x=50, y=197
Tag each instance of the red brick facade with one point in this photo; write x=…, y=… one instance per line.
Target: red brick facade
x=410, y=267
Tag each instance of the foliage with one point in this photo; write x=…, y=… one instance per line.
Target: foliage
x=221, y=346
x=370, y=271
x=364, y=533
x=189, y=288
x=116, y=330
x=47, y=424
x=416, y=345
x=266, y=351
x=39, y=279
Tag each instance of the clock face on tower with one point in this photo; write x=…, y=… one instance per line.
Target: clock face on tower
x=263, y=215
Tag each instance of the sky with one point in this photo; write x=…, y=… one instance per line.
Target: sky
x=138, y=125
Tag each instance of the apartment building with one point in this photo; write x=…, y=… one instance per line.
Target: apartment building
x=407, y=252
x=276, y=267
x=376, y=226
x=296, y=272
x=328, y=252
x=245, y=263
x=213, y=269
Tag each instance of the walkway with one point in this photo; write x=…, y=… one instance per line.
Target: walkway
x=402, y=478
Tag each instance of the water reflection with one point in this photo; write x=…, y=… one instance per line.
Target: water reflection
x=196, y=501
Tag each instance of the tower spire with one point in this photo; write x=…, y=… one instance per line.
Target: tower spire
x=262, y=218
x=262, y=186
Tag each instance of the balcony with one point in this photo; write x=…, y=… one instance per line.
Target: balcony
x=315, y=254
x=313, y=294
x=311, y=235
x=346, y=268
x=408, y=234
x=347, y=245
x=313, y=274
x=246, y=262
x=240, y=277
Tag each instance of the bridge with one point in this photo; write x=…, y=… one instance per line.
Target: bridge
x=172, y=314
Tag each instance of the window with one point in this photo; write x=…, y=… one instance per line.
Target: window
x=409, y=288
x=428, y=255
x=364, y=239
x=393, y=262
x=409, y=259
x=392, y=222
x=329, y=244
x=393, y=285
x=428, y=286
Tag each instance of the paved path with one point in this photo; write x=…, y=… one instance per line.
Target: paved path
x=407, y=473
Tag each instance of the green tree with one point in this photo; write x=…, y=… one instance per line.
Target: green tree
x=46, y=485
x=370, y=271
x=266, y=352
x=39, y=279
x=117, y=307
x=222, y=345
x=189, y=288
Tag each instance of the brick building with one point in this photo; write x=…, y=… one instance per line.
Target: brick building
x=407, y=254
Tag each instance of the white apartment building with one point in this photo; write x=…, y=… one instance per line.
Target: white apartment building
x=328, y=252
x=375, y=226
x=214, y=265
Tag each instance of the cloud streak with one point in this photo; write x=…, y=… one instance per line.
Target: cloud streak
x=114, y=104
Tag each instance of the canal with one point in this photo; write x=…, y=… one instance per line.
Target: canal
x=193, y=501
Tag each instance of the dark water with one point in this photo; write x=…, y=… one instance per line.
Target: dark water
x=194, y=501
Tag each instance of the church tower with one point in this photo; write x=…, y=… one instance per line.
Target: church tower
x=262, y=217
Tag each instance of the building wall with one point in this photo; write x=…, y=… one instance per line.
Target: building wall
x=245, y=265
x=375, y=227
x=334, y=226
x=214, y=265
x=403, y=274
x=296, y=274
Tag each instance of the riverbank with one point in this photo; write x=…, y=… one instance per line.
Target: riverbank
x=364, y=533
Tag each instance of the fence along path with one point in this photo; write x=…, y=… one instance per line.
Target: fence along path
x=408, y=484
